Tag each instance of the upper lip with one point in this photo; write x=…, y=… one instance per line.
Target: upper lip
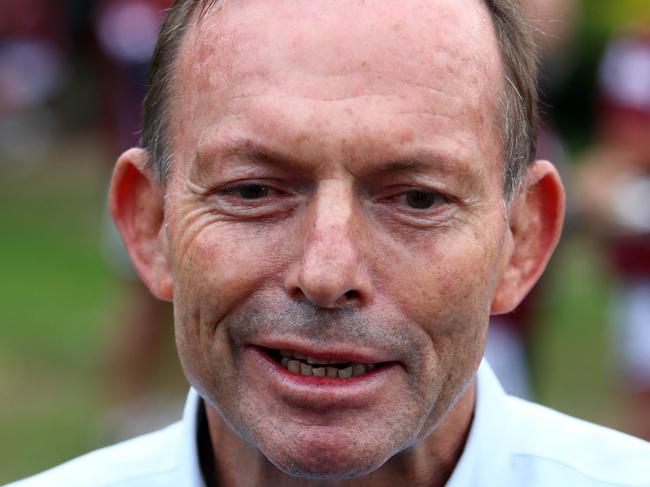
x=343, y=352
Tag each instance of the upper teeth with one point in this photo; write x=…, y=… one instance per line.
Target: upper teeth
x=299, y=363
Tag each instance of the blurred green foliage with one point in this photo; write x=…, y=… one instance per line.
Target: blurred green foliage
x=56, y=294
x=603, y=17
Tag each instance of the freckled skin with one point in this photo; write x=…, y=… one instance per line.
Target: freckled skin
x=339, y=87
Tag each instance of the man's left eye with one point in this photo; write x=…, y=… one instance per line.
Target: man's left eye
x=420, y=199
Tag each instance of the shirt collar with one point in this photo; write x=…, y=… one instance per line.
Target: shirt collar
x=482, y=462
x=190, y=468
x=484, y=458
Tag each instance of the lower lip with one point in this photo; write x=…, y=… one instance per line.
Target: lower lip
x=313, y=380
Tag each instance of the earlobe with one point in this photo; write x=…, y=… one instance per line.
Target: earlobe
x=136, y=203
x=535, y=223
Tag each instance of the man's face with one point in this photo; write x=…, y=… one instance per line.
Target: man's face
x=336, y=193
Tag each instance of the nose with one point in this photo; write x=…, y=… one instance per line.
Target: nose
x=329, y=270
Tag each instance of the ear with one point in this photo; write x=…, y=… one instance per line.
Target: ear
x=535, y=218
x=136, y=203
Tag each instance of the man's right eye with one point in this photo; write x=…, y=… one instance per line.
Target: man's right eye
x=248, y=191
x=251, y=191
x=253, y=199
x=420, y=199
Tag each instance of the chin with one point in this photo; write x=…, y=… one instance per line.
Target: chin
x=322, y=468
x=327, y=462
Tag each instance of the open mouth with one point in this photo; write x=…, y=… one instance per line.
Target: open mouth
x=301, y=364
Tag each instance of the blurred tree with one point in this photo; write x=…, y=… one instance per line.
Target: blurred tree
x=602, y=17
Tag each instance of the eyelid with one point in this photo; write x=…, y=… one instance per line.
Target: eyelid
x=274, y=187
x=437, y=194
x=233, y=188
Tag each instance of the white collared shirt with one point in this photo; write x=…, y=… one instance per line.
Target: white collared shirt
x=512, y=443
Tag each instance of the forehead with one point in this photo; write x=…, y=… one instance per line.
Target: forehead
x=424, y=55
x=349, y=31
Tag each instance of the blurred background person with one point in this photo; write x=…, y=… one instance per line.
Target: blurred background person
x=33, y=68
x=126, y=32
x=614, y=198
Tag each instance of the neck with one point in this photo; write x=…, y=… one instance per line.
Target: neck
x=230, y=461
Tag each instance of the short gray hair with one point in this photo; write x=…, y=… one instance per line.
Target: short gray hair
x=518, y=103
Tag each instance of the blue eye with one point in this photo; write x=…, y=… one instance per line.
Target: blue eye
x=420, y=199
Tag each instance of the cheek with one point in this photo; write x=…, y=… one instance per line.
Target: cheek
x=215, y=272
x=445, y=283
x=445, y=286
x=225, y=263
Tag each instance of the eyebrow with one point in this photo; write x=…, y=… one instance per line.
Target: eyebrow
x=407, y=164
x=423, y=161
x=248, y=150
x=245, y=150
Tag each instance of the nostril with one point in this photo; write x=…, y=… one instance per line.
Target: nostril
x=352, y=295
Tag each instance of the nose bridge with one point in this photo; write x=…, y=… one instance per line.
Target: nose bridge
x=330, y=240
x=329, y=271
